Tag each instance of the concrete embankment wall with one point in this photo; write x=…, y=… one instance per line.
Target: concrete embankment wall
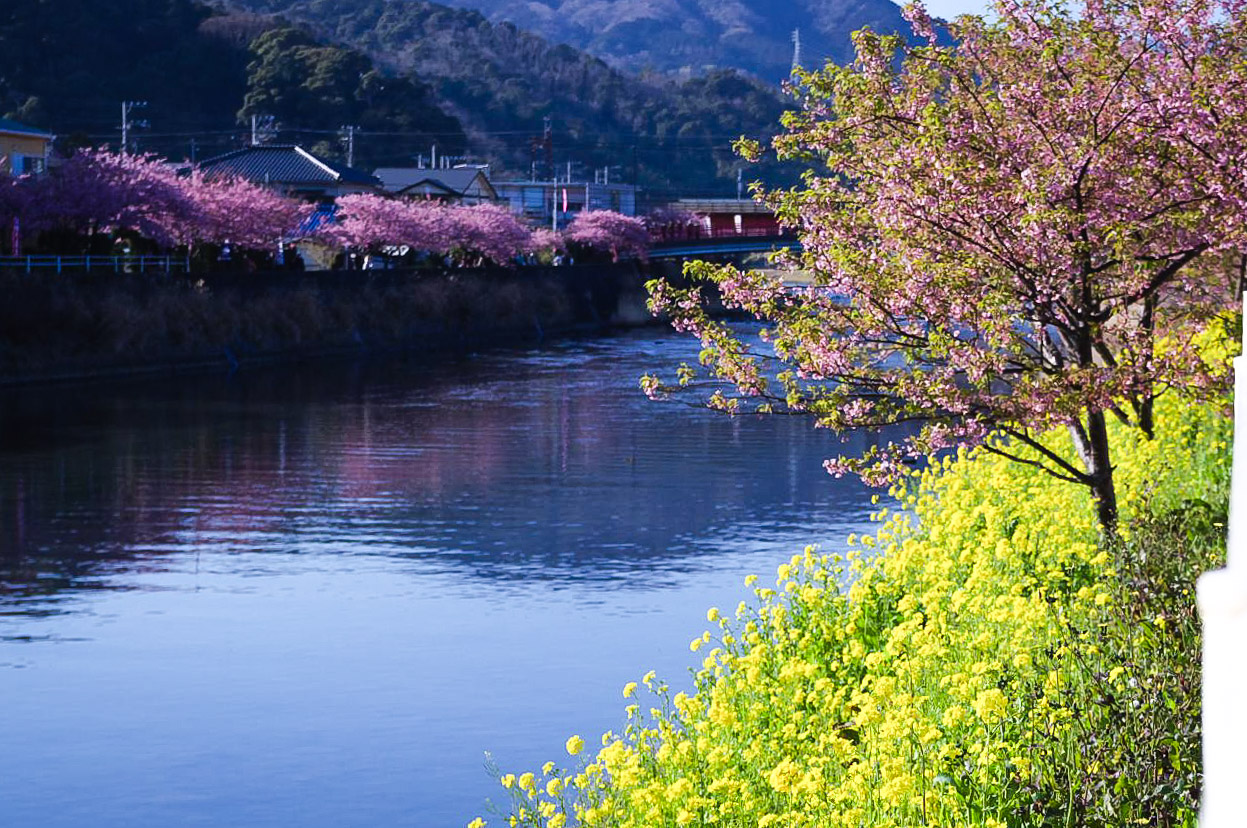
x=89, y=325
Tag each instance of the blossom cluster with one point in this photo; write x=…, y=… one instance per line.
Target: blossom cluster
x=1002, y=229
x=96, y=191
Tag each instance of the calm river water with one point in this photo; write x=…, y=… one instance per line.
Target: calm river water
x=316, y=596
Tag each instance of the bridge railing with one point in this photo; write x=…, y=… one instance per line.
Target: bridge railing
x=88, y=264
x=696, y=233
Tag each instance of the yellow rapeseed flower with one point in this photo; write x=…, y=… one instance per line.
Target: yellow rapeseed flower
x=991, y=705
x=574, y=745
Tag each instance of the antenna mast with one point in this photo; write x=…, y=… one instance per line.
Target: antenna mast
x=796, y=49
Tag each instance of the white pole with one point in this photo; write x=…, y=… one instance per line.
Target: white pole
x=1222, y=597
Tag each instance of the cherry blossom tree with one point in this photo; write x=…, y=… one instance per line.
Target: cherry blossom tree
x=1019, y=231
x=490, y=231
x=477, y=233
x=610, y=232
x=543, y=240
x=370, y=222
x=98, y=191
x=240, y=212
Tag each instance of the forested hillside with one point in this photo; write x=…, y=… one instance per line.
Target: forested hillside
x=501, y=82
x=639, y=35
x=407, y=75
x=67, y=65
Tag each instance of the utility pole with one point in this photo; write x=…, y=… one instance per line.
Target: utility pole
x=126, y=108
x=547, y=141
x=350, y=144
x=263, y=128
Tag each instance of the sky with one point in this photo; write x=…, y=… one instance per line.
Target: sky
x=949, y=9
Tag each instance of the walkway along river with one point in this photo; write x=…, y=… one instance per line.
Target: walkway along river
x=316, y=595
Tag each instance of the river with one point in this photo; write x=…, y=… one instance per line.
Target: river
x=316, y=595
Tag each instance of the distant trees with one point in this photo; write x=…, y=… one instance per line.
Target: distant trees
x=610, y=232
x=305, y=83
x=471, y=235
x=408, y=74
x=66, y=66
x=673, y=137
x=97, y=195
x=476, y=234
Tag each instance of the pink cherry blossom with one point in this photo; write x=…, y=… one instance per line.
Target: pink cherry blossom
x=610, y=232
x=1002, y=232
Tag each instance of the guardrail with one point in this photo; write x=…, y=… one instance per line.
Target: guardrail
x=699, y=233
x=89, y=264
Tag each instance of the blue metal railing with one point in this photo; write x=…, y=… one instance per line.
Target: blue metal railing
x=89, y=264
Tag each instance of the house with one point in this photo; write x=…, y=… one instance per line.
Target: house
x=23, y=149
x=459, y=185
x=292, y=170
x=731, y=216
x=535, y=199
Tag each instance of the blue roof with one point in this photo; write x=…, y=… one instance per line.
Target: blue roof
x=285, y=164
x=322, y=215
x=14, y=127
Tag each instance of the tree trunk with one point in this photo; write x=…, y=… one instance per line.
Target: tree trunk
x=1091, y=441
x=1147, y=405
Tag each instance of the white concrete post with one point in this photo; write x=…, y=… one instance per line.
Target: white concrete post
x=1222, y=597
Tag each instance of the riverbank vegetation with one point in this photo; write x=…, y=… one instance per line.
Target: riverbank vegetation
x=985, y=658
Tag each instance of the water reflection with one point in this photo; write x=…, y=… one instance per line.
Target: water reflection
x=544, y=466
x=364, y=575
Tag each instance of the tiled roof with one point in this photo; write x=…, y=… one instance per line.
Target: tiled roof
x=21, y=129
x=397, y=179
x=284, y=164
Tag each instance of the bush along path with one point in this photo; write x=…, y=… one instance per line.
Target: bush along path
x=982, y=659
